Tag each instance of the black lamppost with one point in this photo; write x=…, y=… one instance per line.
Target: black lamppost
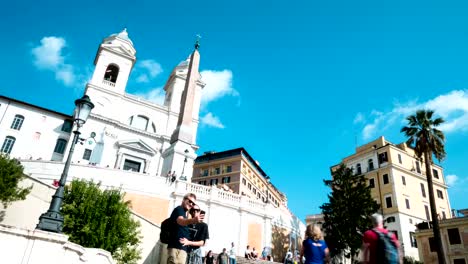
x=52, y=220
x=182, y=176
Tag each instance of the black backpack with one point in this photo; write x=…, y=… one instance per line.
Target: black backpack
x=167, y=230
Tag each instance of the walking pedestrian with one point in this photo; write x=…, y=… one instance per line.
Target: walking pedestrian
x=223, y=257
x=232, y=254
x=372, y=253
x=209, y=257
x=314, y=248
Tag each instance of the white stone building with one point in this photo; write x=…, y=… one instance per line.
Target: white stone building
x=130, y=133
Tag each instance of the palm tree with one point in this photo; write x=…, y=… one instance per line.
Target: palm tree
x=427, y=140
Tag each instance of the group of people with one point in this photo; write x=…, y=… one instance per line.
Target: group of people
x=315, y=251
x=190, y=234
x=250, y=254
x=171, y=177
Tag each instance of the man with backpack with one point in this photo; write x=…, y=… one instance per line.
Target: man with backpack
x=379, y=245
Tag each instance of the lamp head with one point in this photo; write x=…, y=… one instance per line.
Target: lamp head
x=82, y=110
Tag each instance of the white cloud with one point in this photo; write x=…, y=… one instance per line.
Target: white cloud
x=156, y=95
x=451, y=179
x=453, y=107
x=210, y=120
x=66, y=75
x=148, y=69
x=359, y=118
x=218, y=84
x=48, y=56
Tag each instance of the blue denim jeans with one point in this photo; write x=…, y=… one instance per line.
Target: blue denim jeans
x=232, y=260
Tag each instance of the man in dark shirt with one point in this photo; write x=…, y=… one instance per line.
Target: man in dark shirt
x=176, y=250
x=198, y=236
x=223, y=257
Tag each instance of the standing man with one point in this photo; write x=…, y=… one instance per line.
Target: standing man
x=223, y=257
x=198, y=236
x=232, y=254
x=176, y=251
x=370, y=240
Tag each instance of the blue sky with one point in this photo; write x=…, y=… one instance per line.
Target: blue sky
x=297, y=83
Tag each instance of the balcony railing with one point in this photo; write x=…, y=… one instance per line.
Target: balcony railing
x=108, y=83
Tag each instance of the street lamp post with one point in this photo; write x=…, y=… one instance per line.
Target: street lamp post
x=182, y=176
x=52, y=220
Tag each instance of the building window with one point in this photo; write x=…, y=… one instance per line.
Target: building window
x=202, y=182
x=249, y=186
x=229, y=168
x=244, y=182
x=410, y=221
x=388, y=201
x=372, y=183
x=37, y=136
x=60, y=146
x=423, y=190
x=213, y=181
x=139, y=122
x=459, y=261
x=439, y=194
x=444, y=216
x=67, y=126
x=217, y=170
x=254, y=191
x=8, y=145
x=112, y=72
x=385, y=178
x=370, y=163
x=413, y=240
x=130, y=165
x=17, y=122
x=432, y=244
x=428, y=215
x=403, y=180
x=454, y=236
x=418, y=167
x=407, y=204
x=205, y=172
x=383, y=157
x=390, y=219
x=399, y=159
x=226, y=179
x=358, y=169
x=435, y=173
x=87, y=154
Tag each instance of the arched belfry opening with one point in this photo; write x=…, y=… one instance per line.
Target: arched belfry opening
x=112, y=72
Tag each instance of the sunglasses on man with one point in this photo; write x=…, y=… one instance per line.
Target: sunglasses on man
x=192, y=203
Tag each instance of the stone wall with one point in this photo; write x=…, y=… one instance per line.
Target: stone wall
x=37, y=247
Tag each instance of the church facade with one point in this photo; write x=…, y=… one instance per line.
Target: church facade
x=123, y=131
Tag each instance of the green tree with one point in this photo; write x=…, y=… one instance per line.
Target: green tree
x=427, y=140
x=11, y=173
x=347, y=213
x=100, y=219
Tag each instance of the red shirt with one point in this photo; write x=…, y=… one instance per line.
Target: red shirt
x=370, y=239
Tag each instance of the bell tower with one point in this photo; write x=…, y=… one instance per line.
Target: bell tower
x=114, y=60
